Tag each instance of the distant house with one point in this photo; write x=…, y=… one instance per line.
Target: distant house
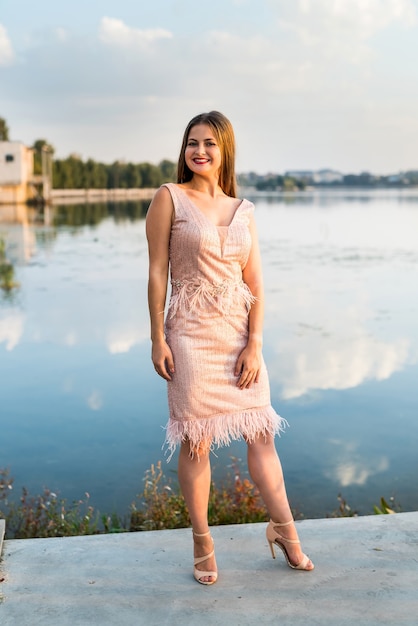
x=16, y=173
x=322, y=177
x=305, y=175
x=325, y=177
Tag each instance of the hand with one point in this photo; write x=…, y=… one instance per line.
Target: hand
x=162, y=358
x=248, y=367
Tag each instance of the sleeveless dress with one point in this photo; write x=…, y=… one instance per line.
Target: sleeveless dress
x=206, y=327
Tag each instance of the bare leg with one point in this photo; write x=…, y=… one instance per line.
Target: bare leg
x=195, y=477
x=266, y=471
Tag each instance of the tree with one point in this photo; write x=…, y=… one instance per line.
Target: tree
x=168, y=170
x=151, y=175
x=133, y=176
x=4, y=130
x=41, y=146
x=95, y=175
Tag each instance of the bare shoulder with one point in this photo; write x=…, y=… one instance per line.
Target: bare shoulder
x=159, y=217
x=162, y=203
x=162, y=194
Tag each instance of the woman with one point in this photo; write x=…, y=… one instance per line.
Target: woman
x=209, y=346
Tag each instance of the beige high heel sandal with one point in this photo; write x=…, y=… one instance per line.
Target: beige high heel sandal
x=198, y=574
x=273, y=537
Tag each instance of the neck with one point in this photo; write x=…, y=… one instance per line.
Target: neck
x=206, y=185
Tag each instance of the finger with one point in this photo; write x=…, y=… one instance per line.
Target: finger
x=248, y=382
x=161, y=371
x=238, y=368
x=170, y=364
x=245, y=380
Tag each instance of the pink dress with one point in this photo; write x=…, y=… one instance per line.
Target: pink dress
x=207, y=328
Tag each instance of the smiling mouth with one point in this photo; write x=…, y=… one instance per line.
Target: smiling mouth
x=200, y=161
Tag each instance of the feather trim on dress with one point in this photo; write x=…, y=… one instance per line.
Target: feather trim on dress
x=192, y=295
x=222, y=429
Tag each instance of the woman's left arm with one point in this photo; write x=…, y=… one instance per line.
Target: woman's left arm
x=249, y=362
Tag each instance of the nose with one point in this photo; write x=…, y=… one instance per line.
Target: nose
x=200, y=148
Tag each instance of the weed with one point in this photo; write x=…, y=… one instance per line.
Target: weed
x=159, y=506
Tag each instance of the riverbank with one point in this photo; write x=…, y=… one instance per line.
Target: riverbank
x=366, y=572
x=80, y=196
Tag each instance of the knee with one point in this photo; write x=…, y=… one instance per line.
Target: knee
x=261, y=442
x=196, y=451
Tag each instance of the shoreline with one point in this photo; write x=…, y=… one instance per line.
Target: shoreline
x=79, y=196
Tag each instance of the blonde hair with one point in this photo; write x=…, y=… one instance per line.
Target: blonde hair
x=225, y=138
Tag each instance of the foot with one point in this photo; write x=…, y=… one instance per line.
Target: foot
x=203, y=545
x=294, y=550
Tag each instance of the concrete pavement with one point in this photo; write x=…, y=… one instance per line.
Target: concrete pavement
x=366, y=572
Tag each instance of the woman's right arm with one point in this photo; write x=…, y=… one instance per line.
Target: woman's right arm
x=158, y=228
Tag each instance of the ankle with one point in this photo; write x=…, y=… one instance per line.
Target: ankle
x=273, y=523
x=206, y=534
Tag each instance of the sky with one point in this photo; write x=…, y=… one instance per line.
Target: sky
x=307, y=84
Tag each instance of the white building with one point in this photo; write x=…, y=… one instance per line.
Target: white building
x=327, y=177
x=16, y=173
x=324, y=176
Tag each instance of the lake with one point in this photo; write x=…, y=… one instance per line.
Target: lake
x=82, y=409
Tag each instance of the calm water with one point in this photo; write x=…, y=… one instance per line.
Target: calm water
x=82, y=409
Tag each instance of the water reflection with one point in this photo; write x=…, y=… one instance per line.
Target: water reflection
x=80, y=215
x=16, y=232
x=120, y=340
x=341, y=346
x=337, y=283
x=339, y=354
x=11, y=328
x=350, y=467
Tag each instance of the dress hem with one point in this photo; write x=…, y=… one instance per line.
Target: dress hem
x=222, y=429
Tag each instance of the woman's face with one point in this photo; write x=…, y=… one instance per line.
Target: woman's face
x=202, y=154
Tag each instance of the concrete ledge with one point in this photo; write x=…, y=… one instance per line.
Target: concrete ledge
x=75, y=196
x=366, y=572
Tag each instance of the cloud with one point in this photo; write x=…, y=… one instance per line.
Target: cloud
x=316, y=21
x=334, y=363
x=119, y=341
x=333, y=350
x=61, y=34
x=95, y=400
x=306, y=70
x=6, y=50
x=343, y=28
x=115, y=32
x=71, y=338
x=11, y=330
x=350, y=468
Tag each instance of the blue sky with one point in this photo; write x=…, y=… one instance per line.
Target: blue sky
x=306, y=83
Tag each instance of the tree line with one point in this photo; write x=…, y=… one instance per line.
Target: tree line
x=279, y=182
x=75, y=173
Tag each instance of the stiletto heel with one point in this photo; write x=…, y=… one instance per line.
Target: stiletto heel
x=275, y=538
x=198, y=574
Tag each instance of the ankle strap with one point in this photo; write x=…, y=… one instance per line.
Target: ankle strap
x=201, y=534
x=283, y=524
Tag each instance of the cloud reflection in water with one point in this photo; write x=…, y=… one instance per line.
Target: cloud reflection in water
x=11, y=329
x=351, y=468
x=336, y=362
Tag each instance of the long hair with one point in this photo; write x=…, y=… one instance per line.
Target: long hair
x=224, y=135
